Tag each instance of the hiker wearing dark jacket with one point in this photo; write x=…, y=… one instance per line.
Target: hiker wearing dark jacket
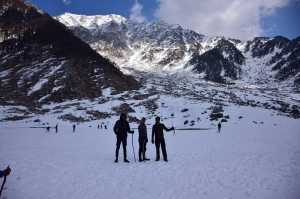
x=121, y=129
x=157, y=131
x=143, y=139
x=219, y=127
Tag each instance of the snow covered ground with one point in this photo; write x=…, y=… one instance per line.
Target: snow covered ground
x=246, y=160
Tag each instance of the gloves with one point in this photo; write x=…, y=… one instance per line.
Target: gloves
x=152, y=141
x=172, y=128
x=132, y=132
x=6, y=172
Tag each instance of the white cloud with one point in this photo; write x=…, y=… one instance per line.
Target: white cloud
x=239, y=19
x=136, y=13
x=67, y=2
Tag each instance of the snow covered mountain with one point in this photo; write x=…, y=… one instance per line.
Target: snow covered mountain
x=160, y=46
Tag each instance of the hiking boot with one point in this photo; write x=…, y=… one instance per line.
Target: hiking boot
x=165, y=159
x=116, y=161
x=157, y=159
x=140, y=160
x=125, y=160
x=146, y=159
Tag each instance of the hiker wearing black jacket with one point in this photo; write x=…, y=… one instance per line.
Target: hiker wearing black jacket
x=157, y=131
x=143, y=139
x=121, y=129
x=219, y=127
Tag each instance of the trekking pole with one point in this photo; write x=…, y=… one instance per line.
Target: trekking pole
x=172, y=124
x=144, y=151
x=3, y=182
x=133, y=149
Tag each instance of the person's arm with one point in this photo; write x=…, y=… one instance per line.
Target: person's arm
x=166, y=129
x=1, y=174
x=140, y=130
x=152, y=140
x=146, y=133
x=116, y=128
x=128, y=128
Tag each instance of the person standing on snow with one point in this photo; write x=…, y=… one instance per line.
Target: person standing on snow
x=121, y=129
x=157, y=131
x=74, y=128
x=143, y=139
x=219, y=127
x=56, y=127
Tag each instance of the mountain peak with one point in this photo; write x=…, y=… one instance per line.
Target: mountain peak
x=89, y=20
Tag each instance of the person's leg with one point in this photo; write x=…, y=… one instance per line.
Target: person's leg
x=124, y=144
x=140, y=150
x=157, y=145
x=145, y=149
x=117, y=149
x=163, y=148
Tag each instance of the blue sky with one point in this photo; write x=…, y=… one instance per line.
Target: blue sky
x=239, y=19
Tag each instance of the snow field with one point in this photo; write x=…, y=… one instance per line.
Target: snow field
x=245, y=160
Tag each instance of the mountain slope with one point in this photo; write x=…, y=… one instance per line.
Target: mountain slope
x=42, y=61
x=160, y=46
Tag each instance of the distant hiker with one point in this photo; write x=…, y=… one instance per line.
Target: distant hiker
x=74, y=128
x=157, y=131
x=219, y=127
x=56, y=128
x=143, y=139
x=121, y=129
x=105, y=126
x=101, y=126
x=48, y=129
x=5, y=172
x=98, y=126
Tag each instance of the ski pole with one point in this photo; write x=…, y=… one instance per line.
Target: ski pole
x=3, y=182
x=144, y=151
x=172, y=124
x=133, y=149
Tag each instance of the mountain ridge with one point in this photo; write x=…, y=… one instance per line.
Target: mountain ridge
x=158, y=45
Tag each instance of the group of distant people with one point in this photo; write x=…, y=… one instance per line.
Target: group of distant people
x=74, y=127
x=48, y=128
x=122, y=128
x=100, y=126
